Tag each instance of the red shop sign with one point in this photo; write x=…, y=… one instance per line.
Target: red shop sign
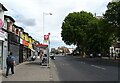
x=25, y=43
x=1, y=23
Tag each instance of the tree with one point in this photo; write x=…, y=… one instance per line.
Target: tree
x=112, y=15
x=74, y=29
x=90, y=34
x=106, y=35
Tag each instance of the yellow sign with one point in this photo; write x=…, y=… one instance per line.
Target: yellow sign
x=23, y=36
x=26, y=37
x=30, y=46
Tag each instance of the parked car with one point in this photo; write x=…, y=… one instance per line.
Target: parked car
x=52, y=56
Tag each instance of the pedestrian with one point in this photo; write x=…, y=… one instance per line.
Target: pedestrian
x=41, y=57
x=10, y=61
x=33, y=57
x=44, y=58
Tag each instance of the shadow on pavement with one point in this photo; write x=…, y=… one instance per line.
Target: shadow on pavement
x=4, y=75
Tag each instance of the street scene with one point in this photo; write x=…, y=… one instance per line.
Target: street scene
x=65, y=68
x=60, y=41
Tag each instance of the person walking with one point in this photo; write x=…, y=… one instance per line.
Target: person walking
x=10, y=61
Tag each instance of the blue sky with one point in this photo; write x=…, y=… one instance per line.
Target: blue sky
x=29, y=15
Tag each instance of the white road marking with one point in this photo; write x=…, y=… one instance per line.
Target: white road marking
x=98, y=67
x=65, y=64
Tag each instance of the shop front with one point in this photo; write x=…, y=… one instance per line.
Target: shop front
x=21, y=53
x=31, y=50
x=14, y=45
x=2, y=36
x=1, y=52
x=25, y=50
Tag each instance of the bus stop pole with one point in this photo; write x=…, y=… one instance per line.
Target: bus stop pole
x=48, y=53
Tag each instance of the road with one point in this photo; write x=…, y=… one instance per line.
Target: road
x=76, y=69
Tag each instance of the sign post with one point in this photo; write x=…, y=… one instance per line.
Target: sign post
x=47, y=39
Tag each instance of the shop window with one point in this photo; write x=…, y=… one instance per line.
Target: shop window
x=8, y=26
x=13, y=29
x=17, y=32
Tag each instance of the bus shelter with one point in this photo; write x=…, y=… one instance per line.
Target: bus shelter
x=44, y=47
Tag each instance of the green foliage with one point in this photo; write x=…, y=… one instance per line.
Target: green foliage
x=88, y=33
x=112, y=15
x=75, y=29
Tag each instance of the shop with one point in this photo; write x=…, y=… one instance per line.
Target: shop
x=24, y=50
x=2, y=38
x=1, y=50
x=14, y=45
x=3, y=53
x=24, y=53
x=31, y=50
x=21, y=53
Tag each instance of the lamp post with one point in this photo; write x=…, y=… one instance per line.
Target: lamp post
x=48, y=35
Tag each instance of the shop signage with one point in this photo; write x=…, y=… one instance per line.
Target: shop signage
x=1, y=23
x=25, y=43
x=30, y=46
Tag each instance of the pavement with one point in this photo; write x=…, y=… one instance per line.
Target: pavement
x=33, y=71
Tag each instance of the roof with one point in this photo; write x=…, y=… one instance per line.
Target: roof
x=17, y=27
x=29, y=36
x=42, y=45
x=6, y=16
x=25, y=33
x=3, y=7
x=21, y=28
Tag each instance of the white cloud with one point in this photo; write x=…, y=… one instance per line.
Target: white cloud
x=29, y=14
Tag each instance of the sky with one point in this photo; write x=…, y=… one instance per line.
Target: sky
x=34, y=15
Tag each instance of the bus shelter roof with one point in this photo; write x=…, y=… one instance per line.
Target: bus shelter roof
x=42, y=45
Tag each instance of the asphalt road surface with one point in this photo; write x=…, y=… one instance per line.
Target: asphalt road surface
x=75, y=69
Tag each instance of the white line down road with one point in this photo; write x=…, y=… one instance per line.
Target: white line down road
x=98, y=67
